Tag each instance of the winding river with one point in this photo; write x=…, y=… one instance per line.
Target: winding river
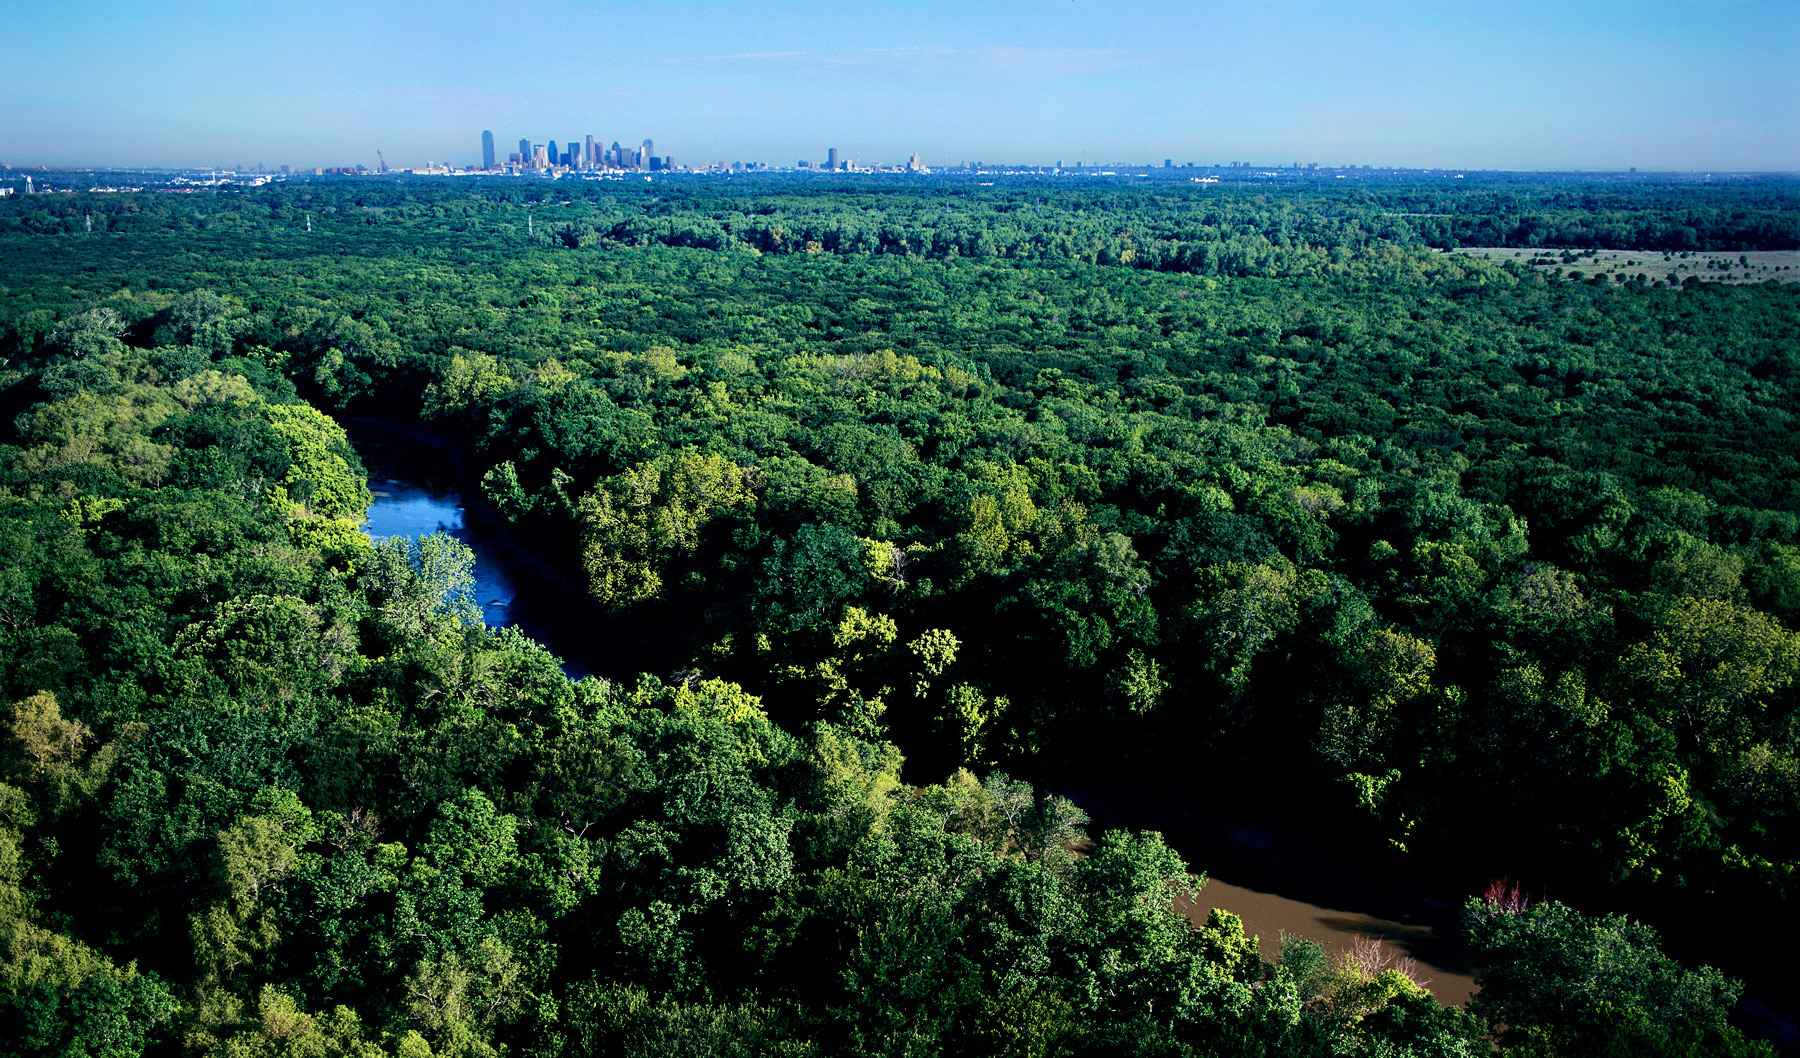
x=416, y=495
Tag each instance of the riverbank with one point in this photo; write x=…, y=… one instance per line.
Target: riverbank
x=1280, y=882
x=1442, y=966
x=422, y=485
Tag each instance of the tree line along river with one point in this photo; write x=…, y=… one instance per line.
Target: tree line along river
x=416, y=495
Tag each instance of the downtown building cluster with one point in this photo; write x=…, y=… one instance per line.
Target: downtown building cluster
x=590, y=154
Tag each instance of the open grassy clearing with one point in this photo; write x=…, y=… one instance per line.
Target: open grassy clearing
x=1755, y=266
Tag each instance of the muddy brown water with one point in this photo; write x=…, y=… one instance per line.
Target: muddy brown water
x=1441, y=966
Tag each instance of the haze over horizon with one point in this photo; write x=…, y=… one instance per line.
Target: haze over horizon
x=1588, y=84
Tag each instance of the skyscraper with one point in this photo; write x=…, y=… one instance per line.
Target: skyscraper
x=587, y=156
x=487, y=150
x=525, y=151
x=831, y=158
x=645, y=154
x=553, y=161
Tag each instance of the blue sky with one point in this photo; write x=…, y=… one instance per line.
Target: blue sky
x=1571, y=84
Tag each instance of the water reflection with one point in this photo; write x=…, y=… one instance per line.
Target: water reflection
x=403, y=509
x=415, y=495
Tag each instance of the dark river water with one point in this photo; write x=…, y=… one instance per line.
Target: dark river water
x=415, y=494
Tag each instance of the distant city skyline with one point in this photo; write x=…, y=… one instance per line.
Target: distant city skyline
x=1526, y=84
x=589, y=154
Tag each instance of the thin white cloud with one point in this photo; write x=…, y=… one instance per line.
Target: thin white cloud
x=986, y=63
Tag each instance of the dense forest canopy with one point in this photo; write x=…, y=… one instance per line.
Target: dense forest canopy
x=1479, y=571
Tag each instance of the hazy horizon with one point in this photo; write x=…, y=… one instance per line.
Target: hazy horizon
x=1597, y=85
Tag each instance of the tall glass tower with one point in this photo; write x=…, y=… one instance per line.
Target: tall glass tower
x=487, y=150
